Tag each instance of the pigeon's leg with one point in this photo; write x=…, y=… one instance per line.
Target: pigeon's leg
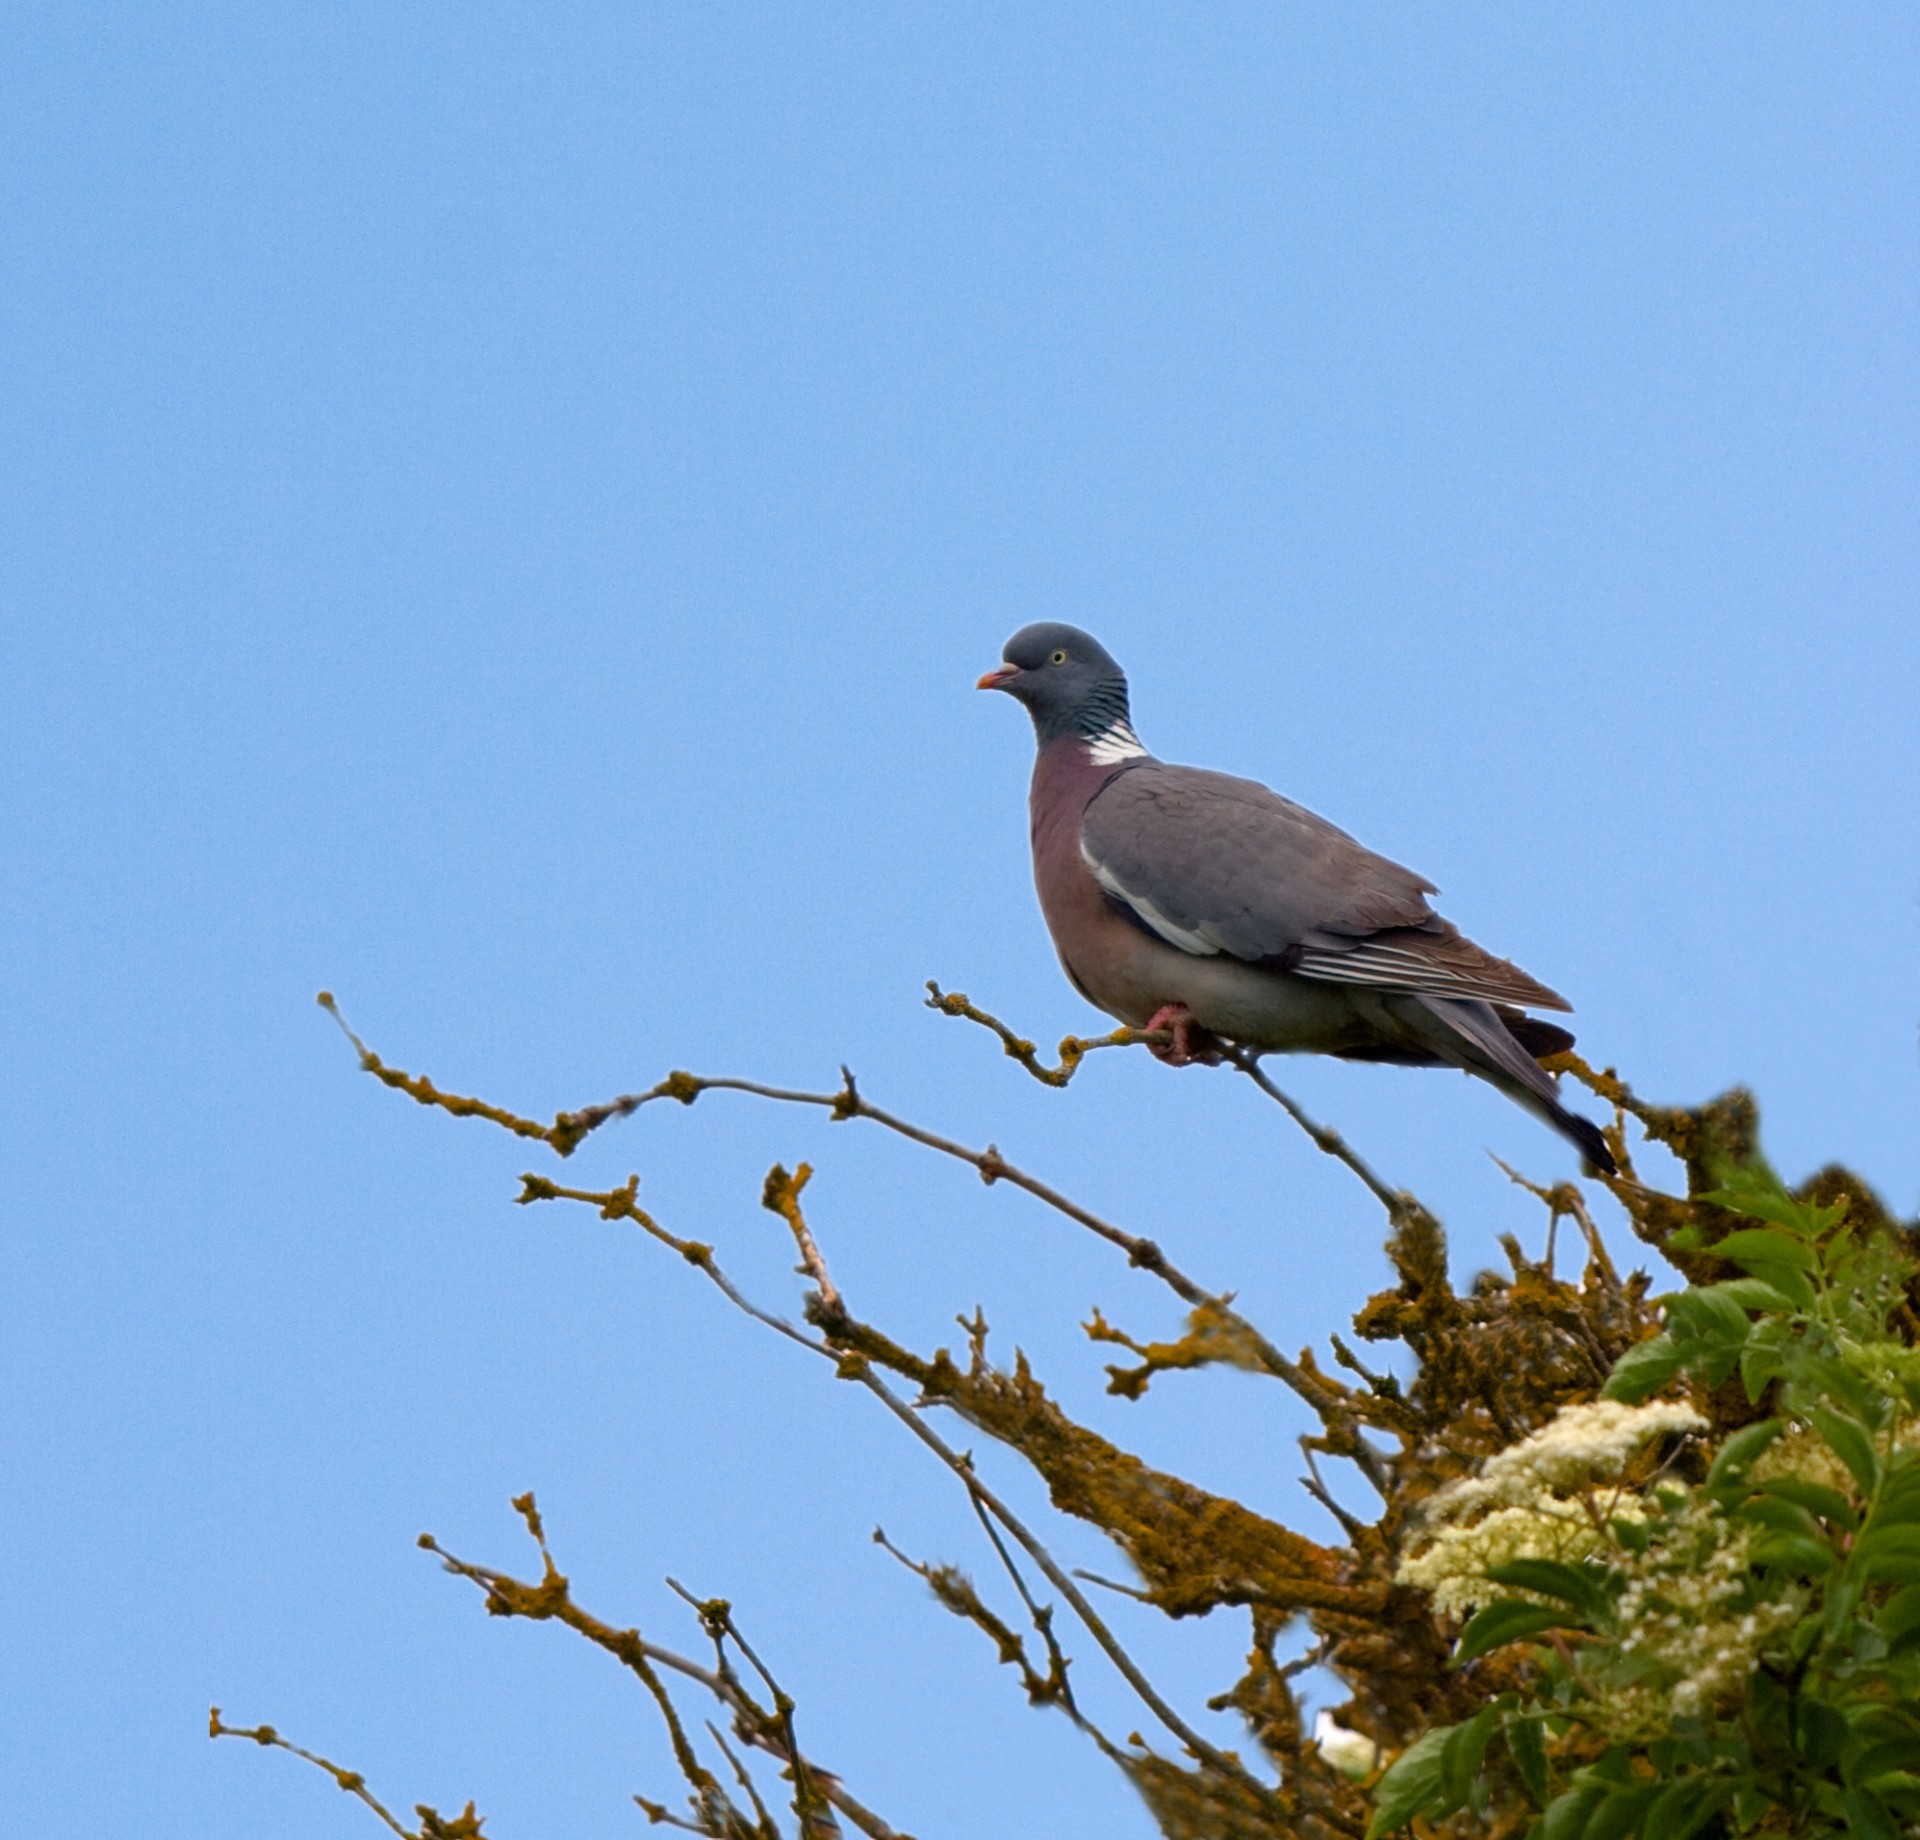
x=1190, y=1041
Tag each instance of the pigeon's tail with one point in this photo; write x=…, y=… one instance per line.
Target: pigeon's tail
x=1471, y=1035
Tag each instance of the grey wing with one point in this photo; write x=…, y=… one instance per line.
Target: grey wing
x=1214, y=864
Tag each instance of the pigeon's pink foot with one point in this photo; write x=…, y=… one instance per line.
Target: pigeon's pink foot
x=1190, y=1041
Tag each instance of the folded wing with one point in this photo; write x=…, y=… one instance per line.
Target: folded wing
x=1214, y=864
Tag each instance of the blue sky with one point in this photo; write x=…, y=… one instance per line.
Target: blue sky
x=505, y=507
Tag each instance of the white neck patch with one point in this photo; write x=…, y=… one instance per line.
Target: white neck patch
x=1115, y=742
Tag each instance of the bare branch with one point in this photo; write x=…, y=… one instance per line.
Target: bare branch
x=1334, y=1407
x=770, y=1731
x=955, y=1591
x=1114, y=1585
x=423, y=1091
x=782, y=1196
x=1219, y=1761
x=809, y=1802
x=1073, y=1048
x=433, y=1826
x=620, y=1203
x=1398, y=1203
x=1312, y=1482
x=1246, y=1060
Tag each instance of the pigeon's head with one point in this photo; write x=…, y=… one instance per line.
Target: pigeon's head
x=1069, y=683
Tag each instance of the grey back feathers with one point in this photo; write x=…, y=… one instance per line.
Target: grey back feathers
x=1218, y=864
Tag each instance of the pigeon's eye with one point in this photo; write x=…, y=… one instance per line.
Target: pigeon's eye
x=1058, y=657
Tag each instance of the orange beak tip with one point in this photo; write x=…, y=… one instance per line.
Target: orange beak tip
x=998, y=678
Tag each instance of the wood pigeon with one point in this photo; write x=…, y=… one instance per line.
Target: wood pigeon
x=1191, y=901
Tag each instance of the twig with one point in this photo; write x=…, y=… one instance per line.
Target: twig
x=781, y=1196
x=1246, y=1060
x=1317, y=1488
x=349, y=1780
x=1219, y=1761
x=1333, y=1410
x=1073, y=1048
x=1041, y=1616
x=1398, y=1203
x=956, y=1593
x=658, y=1816
x=716, y=1613
x=1318, y=1653
x=623, y=1204
x=552, y=1599
x=745, y=1780
x=1564, y=1198
x=423, y=1091
x=1113, y=1584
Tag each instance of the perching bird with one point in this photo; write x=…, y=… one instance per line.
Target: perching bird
x=1191, y=901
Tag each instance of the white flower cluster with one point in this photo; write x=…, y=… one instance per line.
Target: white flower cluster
x=1690, y=1624
x=1532, y=1500
x=1801, y=1451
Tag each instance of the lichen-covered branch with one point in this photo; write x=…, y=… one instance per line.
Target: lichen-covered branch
x=1487, y=1369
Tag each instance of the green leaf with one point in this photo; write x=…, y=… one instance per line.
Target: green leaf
x=1682, y=1808
x=1527, y=1746
x=1621, y=1812
x=1778, y=1516
x=1848, y=1440
x=1461, y=1756
x=1795, y=1553
x=1764, y=1355
x=1411, y=1784
x=1842, y=1605
x=1867, y=1816
x=1754, y=1190
x=1766, y=1699
x=1885, y=1757
x=1882, y=1536
x=1837, y=1380
x=1828, y=1503
x=1742, y=1447
x=1567, y=1816
x=1643, y=1370
x=1873, y=1720
x=1899, y=1501
x=1819, y=1731
x=1888, y=1555
x=1507, y=1621
x=1758, y=1246
x=1750, y=1804
x=1790, y=1282
x=1710, y=1328
x=1756, y=1294
x=1709, y=1316
x=1901, y=1788
x=1572, y=1584
x=1899, y=1620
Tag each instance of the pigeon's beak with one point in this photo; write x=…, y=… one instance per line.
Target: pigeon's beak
x=999, y=679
